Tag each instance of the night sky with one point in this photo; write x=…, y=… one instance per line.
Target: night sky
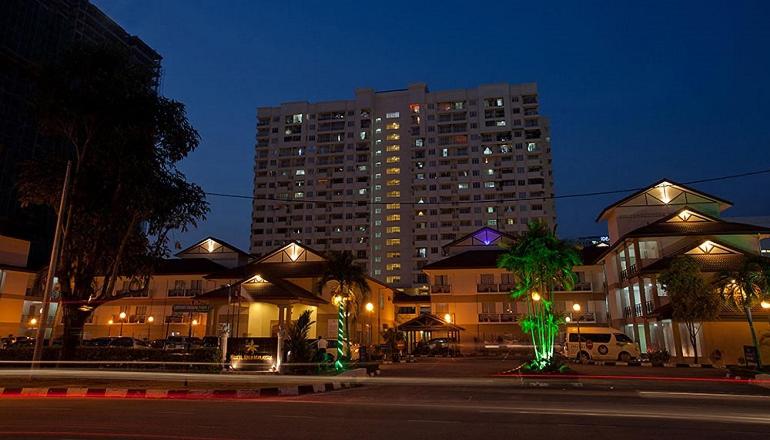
x=635, y=93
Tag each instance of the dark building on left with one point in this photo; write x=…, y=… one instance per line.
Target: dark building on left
x=33, y=32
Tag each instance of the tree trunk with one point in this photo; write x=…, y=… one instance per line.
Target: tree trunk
x=693, y=338
x=747, y=311
x=74, y=321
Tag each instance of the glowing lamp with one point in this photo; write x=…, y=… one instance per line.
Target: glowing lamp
x=576, y=307
x=567, y=319
x=150, y=319
x=447, y=317
x=110, y=322
x=194, y=322
x=765, y=304
x=535, y=296
x=369, y=307
x=122, y=315
x=33, y=321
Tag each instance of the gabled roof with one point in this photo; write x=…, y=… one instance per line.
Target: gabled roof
x=485, y=236
x=690, y=221
x=470, y=259
x=266, y=289
x=646, y=195
x=711, y=256
x=180, y=266
x=210, y=243
x=428, y=322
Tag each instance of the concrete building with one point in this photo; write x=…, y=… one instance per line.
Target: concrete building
x=34, y=32
x=468, y=289
x=647, y=230
x=16, y=280
x=393, y=175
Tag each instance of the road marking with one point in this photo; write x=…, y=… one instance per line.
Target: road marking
x=716, y=396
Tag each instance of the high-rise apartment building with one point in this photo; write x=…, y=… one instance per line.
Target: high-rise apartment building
x=393, y=175
x=33, y=32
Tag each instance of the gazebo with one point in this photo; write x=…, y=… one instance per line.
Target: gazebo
x=424, y=326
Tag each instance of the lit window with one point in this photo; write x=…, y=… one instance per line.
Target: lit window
x=391, y=148
x=393, y=206
x=393, y=229
x=492, y=222
x=299, y=173
x=362, y=135
x=419, y=142
x=490, y=209
x=393, y=126
x=393, y=137
x=422, y=252
x=393, y=171
x=378, y=130
x=415, y=108
x=393, y=242
x=394, y=182
x=531, y=146
x=391, y=279
x=377, y=187
x=445, y=152
x=394, y=193
x=362, y=191
x=489, y=184
x=393, y=159
x=462, y=186
x=393, y=217
x=490, y=172
x=487, y=151
x=393, y=266
x=378, y=199
x=393, y=255
x=299, y=195
x=420, y=213
x=392, y=115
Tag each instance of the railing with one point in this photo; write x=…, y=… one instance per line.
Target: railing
x=193, y=292
x=498, y=317
x=486, y=287
x=505, y=287
x=176, y=292
x=627, y=312
x=588, y=317
x=649, y=307
x=628, y=272
x=578, y=287
x=440, y=288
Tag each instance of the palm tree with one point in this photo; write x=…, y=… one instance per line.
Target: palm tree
x=349, y=286
x=744, y=288
x=300, y=351
x=540, y=261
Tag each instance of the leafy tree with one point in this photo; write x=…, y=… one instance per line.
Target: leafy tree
x=692, y=299
x=126, y=194
x=540, y=261
x=298, y=346
x=744, y=288
x=393, y=338
x=349, y=286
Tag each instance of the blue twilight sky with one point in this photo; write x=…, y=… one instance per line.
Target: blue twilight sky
x=677, y=89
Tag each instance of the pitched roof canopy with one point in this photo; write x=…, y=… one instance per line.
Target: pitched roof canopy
x=665, y=192
x=482, y=237
x=211, y=245
x=428, y=322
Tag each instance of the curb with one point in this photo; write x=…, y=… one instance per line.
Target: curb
x=149, y=393
x=647, y=364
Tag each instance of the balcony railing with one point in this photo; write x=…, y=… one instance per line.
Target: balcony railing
x=588, y=317
x=506, y=287
x=639, y=309
x=629, y=272
x=486, y=287
x=578, y=287
x=649, y=307
x=498, y=317
x=440, y=288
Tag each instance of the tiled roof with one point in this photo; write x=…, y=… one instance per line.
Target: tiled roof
x=472, y=259
x=174, y=266
x=428, y=322
x=273, y=289
x=405, y=298
x=707, y=263
x=659, y=229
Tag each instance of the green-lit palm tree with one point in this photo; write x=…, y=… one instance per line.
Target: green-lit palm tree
x=349, y=286
x=540, y=261
x=745, y=288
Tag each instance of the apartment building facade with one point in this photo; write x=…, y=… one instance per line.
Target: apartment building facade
x=393, y=175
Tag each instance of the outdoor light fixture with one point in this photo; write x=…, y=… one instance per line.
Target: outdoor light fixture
x=447, y=317
x=110, y=322
x=535, y=296
x=122, y=315
x=369, y=307
x=576, y=307
x=194, y=322
x=150, y=319
x=765, y=304
x=33, y=321
x=567, y=319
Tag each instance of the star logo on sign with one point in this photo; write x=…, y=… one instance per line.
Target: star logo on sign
x=251, y=347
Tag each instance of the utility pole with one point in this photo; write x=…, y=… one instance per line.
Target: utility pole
x=37, y=354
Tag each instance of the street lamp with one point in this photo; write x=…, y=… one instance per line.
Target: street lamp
x=122, y=317
x=150, y=320
x=535, y=296
x=189, y=333
x=369, y=309
x=109, y=328
x=576, y=309
x=33, y=322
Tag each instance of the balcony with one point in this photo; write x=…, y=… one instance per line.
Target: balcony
x=440, y=288
x=588, y=318
x=498, y=318
x=486, y=287
x=578, y=287
x=506, y=287
x=193, y=292
x=176, y=292
x=629, y=272
x=639, y=309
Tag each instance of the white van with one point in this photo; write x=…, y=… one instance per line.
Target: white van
x=600, y=343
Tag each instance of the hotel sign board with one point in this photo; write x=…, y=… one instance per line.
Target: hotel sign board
x=191, y=308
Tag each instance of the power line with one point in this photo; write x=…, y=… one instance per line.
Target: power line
x=562, y=196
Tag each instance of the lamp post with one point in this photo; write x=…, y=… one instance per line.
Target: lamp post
x=150, y=320
x=369, y=309
x=109, y=328
x=576, y=309
x=189, y=333
x=122, y=317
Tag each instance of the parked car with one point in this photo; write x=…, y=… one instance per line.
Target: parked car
x=127, y=342
x=182, y=342
x=600, y=343
x=157, y=343
x=22, y=343
x=98, y=342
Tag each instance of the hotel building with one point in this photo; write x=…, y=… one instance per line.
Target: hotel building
x=393, y=175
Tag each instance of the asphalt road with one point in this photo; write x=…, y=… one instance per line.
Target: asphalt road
x=624, y=408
